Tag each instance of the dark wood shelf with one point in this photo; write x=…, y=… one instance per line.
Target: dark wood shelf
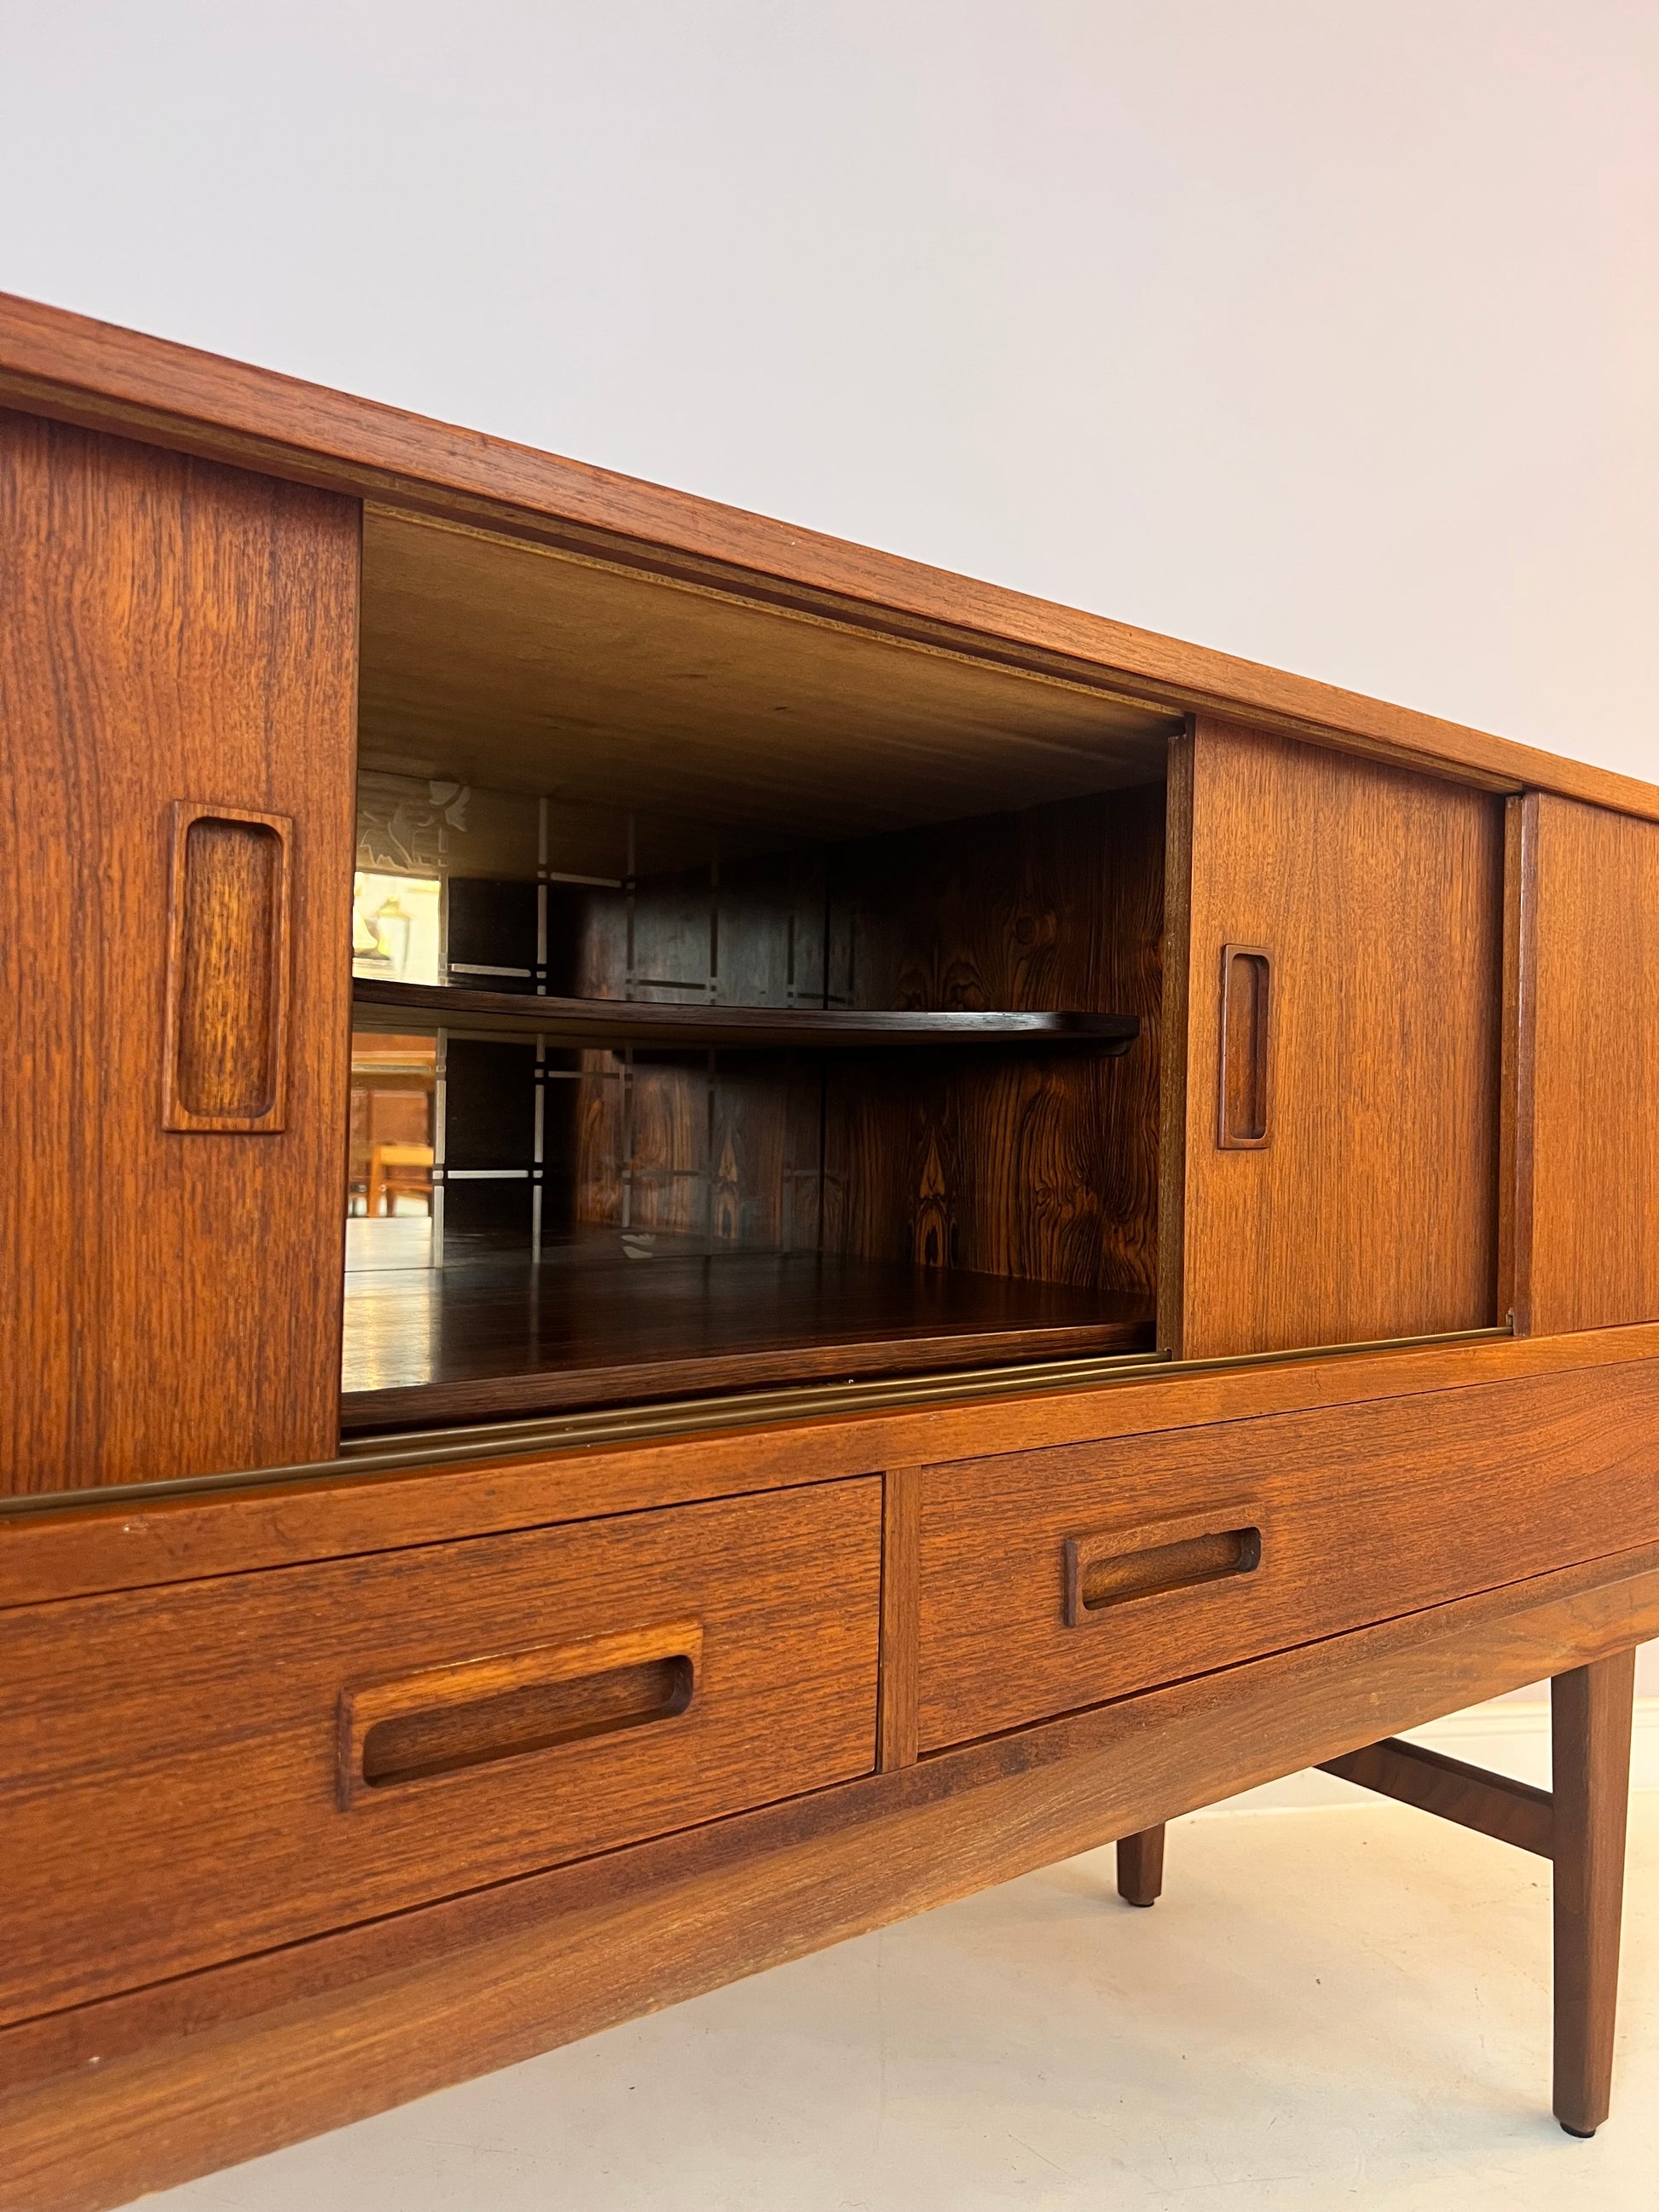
x=603, y=1022
x=591, y=1327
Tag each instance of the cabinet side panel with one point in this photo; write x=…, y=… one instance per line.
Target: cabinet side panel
x=1593, y=1258
x=1374, y=898
x=173, y=632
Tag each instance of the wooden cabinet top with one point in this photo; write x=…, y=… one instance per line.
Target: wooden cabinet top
x=76, y=369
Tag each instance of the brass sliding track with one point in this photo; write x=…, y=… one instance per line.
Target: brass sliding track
x=805, y=1401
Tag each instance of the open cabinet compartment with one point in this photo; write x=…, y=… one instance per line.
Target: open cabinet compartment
x=742, y=998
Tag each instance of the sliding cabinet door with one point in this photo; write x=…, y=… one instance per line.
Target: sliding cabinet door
x=178, y=661
x=1331, y=1130
x=1581, y=1247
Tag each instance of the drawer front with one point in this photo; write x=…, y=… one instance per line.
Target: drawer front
x=197, y=1772
x=1056, y=1579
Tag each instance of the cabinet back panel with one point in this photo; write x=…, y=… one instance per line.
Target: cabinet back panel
x=1044, y=1169
x=1368, y=1208
x=175, y=631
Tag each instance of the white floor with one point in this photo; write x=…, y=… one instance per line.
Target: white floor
x=1339, y=2004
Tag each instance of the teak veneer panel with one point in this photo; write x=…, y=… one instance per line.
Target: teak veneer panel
x=428, y=1491
x=1370, y=1210
x=1585, y=1161
x=282, y=2047
x=196, y=1731
x=174, y=631
x=1359, y=1513
x=901, y=1615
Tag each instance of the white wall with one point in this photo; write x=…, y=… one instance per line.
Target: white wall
x=1326, y=332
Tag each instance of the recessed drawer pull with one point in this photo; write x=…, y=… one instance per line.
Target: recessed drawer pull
x=1107, y=1570
x=447, y=1720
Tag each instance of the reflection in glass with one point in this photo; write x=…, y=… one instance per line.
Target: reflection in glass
x=389, y=1192
x=396, y=926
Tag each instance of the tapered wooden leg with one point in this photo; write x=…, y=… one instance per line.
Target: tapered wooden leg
x=1141, y=1867
x=1591, y=1726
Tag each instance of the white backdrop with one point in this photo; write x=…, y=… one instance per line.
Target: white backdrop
x=1325, y=332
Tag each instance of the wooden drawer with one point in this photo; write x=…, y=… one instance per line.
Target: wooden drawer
x=1056, y=1579
x=197, y=1772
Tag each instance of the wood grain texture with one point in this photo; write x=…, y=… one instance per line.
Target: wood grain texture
x=277, y=2048
x=1140, y=1866
x=68, y=365
x=724, y=1147
x=1372, y=1211
x=900, y=1611
x=1421, y=1501
x=1590, y=1719
x=1494, y=1805
x=1116, y=1567
x=1583, y=1173
x=1029, y=1162
x=808, y=1212
x=804, y=1210
x=222, y=1793
x=175, y=630
x=443, y=1721
x=469, y=1341
x=229, y=971
x=433, y=1490
x=1243, y=1092
x=1044, y=1169
x=518, y=669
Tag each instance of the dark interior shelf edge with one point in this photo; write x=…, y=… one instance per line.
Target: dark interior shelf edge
x=598, y=1021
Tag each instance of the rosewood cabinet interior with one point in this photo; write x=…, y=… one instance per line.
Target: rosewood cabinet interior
x=707, y=1237
x=591, y=801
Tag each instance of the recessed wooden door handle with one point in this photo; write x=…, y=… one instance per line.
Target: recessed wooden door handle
x=448, y=1720
x=224, y=1064
x=1246, y=1012
x=1120, y=1566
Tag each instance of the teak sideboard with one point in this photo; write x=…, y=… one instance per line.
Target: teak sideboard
x=708, y=1237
